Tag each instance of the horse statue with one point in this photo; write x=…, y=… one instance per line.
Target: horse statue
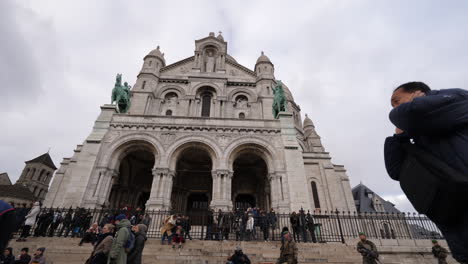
x=279, y=99
x=121, y=94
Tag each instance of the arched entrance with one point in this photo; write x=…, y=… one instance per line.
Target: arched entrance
x=133, y=185
x=250, y=185
x=193, y=183
x=244, y=201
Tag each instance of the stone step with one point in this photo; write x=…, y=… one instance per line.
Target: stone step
x=66, y=250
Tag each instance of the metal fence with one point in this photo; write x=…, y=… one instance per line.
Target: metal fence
x=321, y=227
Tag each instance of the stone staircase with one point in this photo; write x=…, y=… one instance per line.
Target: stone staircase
x=67, y=251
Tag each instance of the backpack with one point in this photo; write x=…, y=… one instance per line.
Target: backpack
x=433, y=187
x=130, y=243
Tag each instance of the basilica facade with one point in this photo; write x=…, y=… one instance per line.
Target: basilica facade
x=200, y=133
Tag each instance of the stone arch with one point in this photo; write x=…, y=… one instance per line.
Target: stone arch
x=197, y=89
x=242, y=91
x=129, y=142
x=262, y=147
x=129, y=162
x=174, y=151
x=251, y=164
x=211, y=43
x=171, y=88
x=301, y=144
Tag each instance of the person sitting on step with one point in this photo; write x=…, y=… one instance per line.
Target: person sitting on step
x=239, y=257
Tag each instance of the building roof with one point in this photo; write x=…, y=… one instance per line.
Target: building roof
x=4, y=179
x=364, y=203
x=16, y=191
x=263, y=58
x=44, y=159
x=308, y=122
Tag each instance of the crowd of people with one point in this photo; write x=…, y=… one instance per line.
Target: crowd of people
x=256, y=224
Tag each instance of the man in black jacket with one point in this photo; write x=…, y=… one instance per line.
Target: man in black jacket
x=437, y=122
x=135, y=254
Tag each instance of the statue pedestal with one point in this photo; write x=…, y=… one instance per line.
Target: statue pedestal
x=294, y=184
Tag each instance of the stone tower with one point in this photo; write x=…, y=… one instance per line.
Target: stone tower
x=37, y=174
x=199, y=134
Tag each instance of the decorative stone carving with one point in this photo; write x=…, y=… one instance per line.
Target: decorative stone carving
x=167, y=138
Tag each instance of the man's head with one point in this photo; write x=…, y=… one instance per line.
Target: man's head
x=362, y=236
x=287, y=237
x=119, y=218
x=406, y=92
x=238, y=250
x=39, y=251
x=8, y=251
x=435, y=242
x=24, y=251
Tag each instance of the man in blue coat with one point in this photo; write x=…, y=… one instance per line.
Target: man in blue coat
x=437, y=122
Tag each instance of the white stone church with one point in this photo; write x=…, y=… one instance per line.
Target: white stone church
x=199, y=134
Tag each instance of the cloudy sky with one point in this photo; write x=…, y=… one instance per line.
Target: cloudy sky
x=341, y=60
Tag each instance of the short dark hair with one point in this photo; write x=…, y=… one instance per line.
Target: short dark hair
x=25, y=249
x=411, y=87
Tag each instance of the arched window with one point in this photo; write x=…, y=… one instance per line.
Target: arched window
x=143, y=85
x=32, y=174
x=171, y=98
x=169, y=112
x=241, y=116
x=206, y=105
x=150, y=62
x=40, y=176
x=47, y=177
x=315, y=195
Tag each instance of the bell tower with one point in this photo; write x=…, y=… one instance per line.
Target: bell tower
x=37, y=174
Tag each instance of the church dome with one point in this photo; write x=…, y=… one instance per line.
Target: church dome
x=263, y=59
x=288, y=93
x=157, y=53
x=308, y=122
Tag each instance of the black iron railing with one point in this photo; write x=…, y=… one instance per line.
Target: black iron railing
x=320, y=227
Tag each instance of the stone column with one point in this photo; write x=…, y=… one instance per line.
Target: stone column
x=275, y=190
x=159, y=190
x=221, y=198
x=170, y=175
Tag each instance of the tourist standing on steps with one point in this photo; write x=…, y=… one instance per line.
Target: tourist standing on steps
x=24, y=257
x=439, y=252
x=249, y=227
x=272, y=219
x=103, y=245
x=187, y=227
x=294, y=219
x=311, y=226
x=239, y=257
x=30, y=221
x=135, y=254
x=368, y=250
x=166, y=229
x=118, y=253
x=288, y=251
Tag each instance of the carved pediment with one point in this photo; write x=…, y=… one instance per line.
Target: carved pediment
x=182, y=67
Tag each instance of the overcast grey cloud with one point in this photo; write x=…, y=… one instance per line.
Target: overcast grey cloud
x=340, y=59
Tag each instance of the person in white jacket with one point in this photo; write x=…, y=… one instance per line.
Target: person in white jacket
x=249, y=227
x=30, y=221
